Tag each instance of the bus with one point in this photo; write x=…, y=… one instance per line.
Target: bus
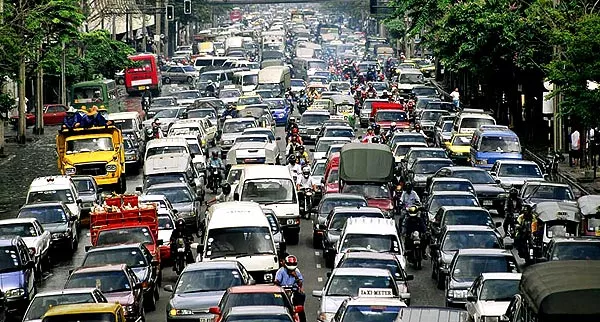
x=100, y=93
x=145, y=76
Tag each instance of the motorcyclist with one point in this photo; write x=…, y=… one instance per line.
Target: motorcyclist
x=216, y=163
x=419, y=130
x=409, y=197
x=375, y=139
x=372, y=122
x=222, y=197
x=305, y=180
x=157, y=132
x=301, y=155
x=210, y=88
x=294, y=167
x=385, y=95
x=369, y=135
x=291, y=124
x=526, y=227
x=371, y=91
x=180, y=231
x=289, y=276
x=413, y=223
x=146, y=99
x=230, y=110
x=390, y=132
x=371, y=74
x=512, y=205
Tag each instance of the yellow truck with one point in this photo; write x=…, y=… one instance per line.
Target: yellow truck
x=105, y=312
x=95, y=151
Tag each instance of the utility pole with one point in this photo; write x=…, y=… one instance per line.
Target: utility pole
x=63, y=78
x=157, y=20
x=39, y=95
x=144, y=44
x=558, y=121
x=22, y=104
x=167, y=41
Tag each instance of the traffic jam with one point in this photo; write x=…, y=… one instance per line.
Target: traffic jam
x=294, y=168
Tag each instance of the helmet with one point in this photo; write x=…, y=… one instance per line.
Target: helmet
x=226, y=187
x=393, y=125
x=370, y=84
x=292, y=159
x=417, y=126
x=300, y=148
x=209, y=82
x=230, y=106
x=377, y=128
x=412, y=211
x=409, y=186
x=292, y=119
x=375, y=140
x=526, y=209
x=306, y=171
x=370, y=128
x=372, y=119
x=291, y=262
x=513, y=192
x=215, y=154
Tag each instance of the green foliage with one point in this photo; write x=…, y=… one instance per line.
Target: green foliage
x=201, y=12
x=6, y=103
x=350, y=8
x=396, y=27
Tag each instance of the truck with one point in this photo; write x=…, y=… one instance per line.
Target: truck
x=95, y=151
x=123, y=219
x=275, y=78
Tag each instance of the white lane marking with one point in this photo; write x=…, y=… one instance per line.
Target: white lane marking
x=320, y=279
x=318, y=265
x=317, y=253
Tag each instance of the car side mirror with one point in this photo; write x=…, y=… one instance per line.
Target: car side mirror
x=175, y=211
x=278, y=138
x=139, y=189
x=498, y=224
x=317, y=293
x=471, y=298
x=504, y=318
x=168, y=288
x=251, y=281
x=73, y=218
x=328, y=274
x=311, y=150
x=410, y=277
x=79, y=201
x=493, y=174
x=214, y=310
x=87, y=248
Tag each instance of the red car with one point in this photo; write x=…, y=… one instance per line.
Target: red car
x=255, y=295
x=53, y=114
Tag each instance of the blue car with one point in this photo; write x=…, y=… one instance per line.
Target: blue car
x=280, y=110
x=17, y=279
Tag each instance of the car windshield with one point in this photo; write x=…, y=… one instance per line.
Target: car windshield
x=239, y=241
x=84, y=186
x=163, y=178
x=328, y=204
x=169, y=113
x=189, y=68
x=313, y=119
x=468, y=217
x=372, y=313
x=251, y=139
x=469, y=267
x=339, y=219
x=165, y=150
x=252, y=80
x=425, y=91
x=268, y=191
x=9, y=259
x=201, y=113
x=133, y=257
x=206, y=77
x=107, y=282
x=255, y=112
x=348, y=285
x=297, y=83
x=475, y=176
x=317, y=65
x=438, y=153
x=576, y=251
x=447, y=127
x=165, y=223
x=558, y=229
x=348, y=133
x=237, y=127
x=476, y=122
x=371, y=242
x=394, y=116
x=163, y=101
x=408, y=138
x=89, y=145
x=50, y=195
x=45, y=215
x=41, y=304
x=25, y=229
x=499, y=290
x=333, y=176
x=520, y=170
x=173, y=194
x=318, y=169
x=368, y=191
x=452, y=200
x=186, y=95
x=455, y=240
x=194, y=148
x=460, y=140
x=401, y=150
x=249, y=100
x=432, y=115
x=560, y=193
x=234, y=175
x=78, y=317
x=229, y=94
x=323, y=145
x=410, y=78
x=500, y=144
x=207, y=280
x=267, y=90
x=390, y=264
x=429, y=167
x=452, y=186
x=254, y=299
x=131, y=235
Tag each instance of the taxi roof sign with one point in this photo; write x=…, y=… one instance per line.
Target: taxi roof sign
x=376, y=292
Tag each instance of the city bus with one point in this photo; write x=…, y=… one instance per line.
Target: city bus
x=145, y=75
x=100, y=93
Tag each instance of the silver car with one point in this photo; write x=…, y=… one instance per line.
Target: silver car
x=232, y=129
x=180, y=74
x=515, y=172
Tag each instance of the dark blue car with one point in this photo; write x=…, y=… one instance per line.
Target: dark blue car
x=16, y=274
x=280, y=110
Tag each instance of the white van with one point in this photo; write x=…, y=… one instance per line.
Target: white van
x=240, y=231
x=273, y=187
x=130, y=124
x=247, y=80
x=470, y=120
x=55, y=188
x=167, y=145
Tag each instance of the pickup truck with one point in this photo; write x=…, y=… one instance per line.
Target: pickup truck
x=122, y=219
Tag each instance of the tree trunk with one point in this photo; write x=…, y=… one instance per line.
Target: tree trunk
x=22, y=104
x=2, y=137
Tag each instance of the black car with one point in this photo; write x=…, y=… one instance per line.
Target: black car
x=56, y=218
x=489, y=193
x=328, y=202
x=134, y=155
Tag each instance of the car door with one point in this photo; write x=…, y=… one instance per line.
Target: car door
x=59, y=114
x=471, y=306
x=175, y=73
x=29, y=275
x=50, y=115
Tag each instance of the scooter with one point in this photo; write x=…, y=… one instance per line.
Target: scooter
x=180, y=255
x=214, y=179
x=416, y=252
x=307, y=201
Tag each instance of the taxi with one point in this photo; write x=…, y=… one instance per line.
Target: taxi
x=106, y=312
x=379, y=308
x=459, y=147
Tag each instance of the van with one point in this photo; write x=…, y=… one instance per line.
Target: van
x=247, y=80
x=55, y=188
x=375, y=234
x=276, y=79
x=468, y=121
x=273, y=187
x=130, y=124
x=166, y=146
x=202, y=62
x=491, y=143
x=240, y=231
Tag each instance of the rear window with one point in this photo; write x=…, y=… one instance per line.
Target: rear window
x=328, y=204
x=253, y=299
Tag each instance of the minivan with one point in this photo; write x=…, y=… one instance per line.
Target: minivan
x=491, y=143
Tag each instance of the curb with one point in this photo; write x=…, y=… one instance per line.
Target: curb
x=567, y=178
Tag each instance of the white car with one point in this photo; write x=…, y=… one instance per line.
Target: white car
x=490, y=295
x=515, y=172
x=35, y=237
x=186, y=97
x=230, y=95
x=324, y=143
x=248, y=151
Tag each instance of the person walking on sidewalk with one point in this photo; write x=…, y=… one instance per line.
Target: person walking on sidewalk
x=575, y=151
x=455, y=97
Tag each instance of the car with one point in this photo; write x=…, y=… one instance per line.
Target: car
x=369, y=309
x=118, y=283
x=332, y=122
x=427, y=120
x=424, y=91
x=88, y=191
x=133, y=155
x=335, y=223
x=263, y=135
x=17, y=273
x=460, y=216
x=248, y=100
x=201, y=286
x=443, y=133
x=338, y=131
x=43, y=301
x=402, y=148
x=271, y=295
x=468, y=264
x=183, y=198
x=421, y=103
x=324, y=208
x=57, y=219
x=406, y=137
x=280, y=110
x=186, y=97
x=277, y=231
x=316, y=174
x=257, y=313
x=53, y=114
x=491, y=195
x=416, y=152
x=439, y=199
x=491, y=293
x=334, y=148
x=203, y=112
x=320, y=150
x=310, y=124
x=55, y=188
x=534, y=192
x=180, y=74
x=254, y=148
x=137, y=258
x=424, y=168
x=166, y=226
x=232, y=129
x=448, y=184
x=35, y=237
x=459, y=147
x=229, y=95
x=166, y=117
x=352, y=282
x=514, y=173
x=297, y=85
x=365, y=111
x=572, y=248
x=380, y=260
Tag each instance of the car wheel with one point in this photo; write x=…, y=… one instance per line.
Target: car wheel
x=167, y=80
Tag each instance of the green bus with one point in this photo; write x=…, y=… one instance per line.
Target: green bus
x=100, y=93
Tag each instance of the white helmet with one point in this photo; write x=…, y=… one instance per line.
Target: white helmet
x=393, y=124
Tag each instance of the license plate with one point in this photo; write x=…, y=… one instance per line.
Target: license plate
x=313, y=136
x=205, y=320
x=488, y=202
x=181, y=250
x=141, y=88
x=291, y=221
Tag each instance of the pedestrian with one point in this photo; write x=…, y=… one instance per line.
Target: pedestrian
x=575, y=150
x=455, y=97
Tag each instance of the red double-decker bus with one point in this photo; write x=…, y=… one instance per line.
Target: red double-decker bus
x=146, y=75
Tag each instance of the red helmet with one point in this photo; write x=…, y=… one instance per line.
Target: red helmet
x=291, y=262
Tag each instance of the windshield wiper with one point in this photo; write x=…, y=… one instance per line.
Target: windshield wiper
x=226, y=254
x=257, y=253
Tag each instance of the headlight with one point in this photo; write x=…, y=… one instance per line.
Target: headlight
x=111, y=167
x=268, y=277
x=302, y=130
x=129, y=308
x=175, y=312
x=490, y=318
x=482, y=161
x=60, y=235
x=458, y=294
x=130, y=157
x=502, y=195
x=227, y=141
x=70, y=171
x=16, y=292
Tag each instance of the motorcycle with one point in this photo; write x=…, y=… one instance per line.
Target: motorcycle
x=214, y=179
x=307, y=201
x=416, y=252
x=146, y=104
x=180, y=255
